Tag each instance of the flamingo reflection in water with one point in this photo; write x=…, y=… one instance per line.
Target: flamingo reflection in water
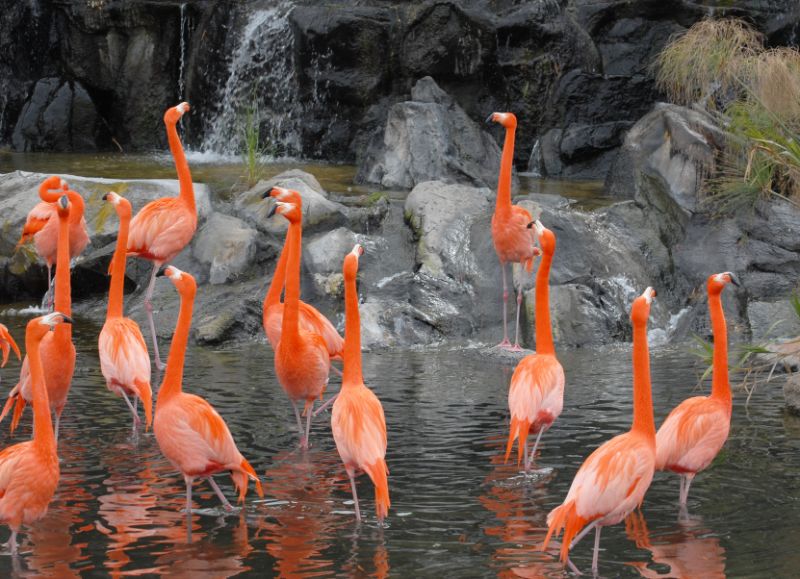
x=688, y=552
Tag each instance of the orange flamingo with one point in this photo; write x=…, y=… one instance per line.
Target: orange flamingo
x=613, y=480
x=43, y=230
x=513, y=241
x=357, y=420
x=696, y=429
x=302, y=362
x=311, y=319
x=536, y=394
x=57, y=348
x=165, y=226
x=190, y=433
x=7, y=344
x=124, y=360
x=29, y=470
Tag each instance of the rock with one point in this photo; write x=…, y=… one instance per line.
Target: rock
x=323, y=257
x=430, y=139
x=769, y=319
x=226, y=245
x=791, y=392
x=59, y=116
x=319, y=213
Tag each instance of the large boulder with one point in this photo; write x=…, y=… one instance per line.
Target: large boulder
x=430, y=138
x=226, y=245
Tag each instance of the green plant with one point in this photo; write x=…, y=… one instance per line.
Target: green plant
x=251, y=148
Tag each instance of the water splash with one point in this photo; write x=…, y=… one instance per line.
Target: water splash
x=535, y=161
x=181, y=70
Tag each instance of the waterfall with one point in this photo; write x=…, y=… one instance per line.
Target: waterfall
x=181, y=70
x=261, y=80
x=535, y=161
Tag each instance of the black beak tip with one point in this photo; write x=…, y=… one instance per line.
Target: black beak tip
x=530, y=225
x=735, y=280
x=272, y=211
x=489, y=119
x=161, y=272
x=105, y=197
x=66, y=319
x=266, y=194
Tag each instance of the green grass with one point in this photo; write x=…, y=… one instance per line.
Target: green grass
x=252, y=149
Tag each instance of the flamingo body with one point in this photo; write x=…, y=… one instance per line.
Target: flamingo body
x=161, y=229
x=311, y=320
x=692, y=435
x=302, y=365
x=29, y=476
x=125, y=362
x=513, y=241
x=42, y=227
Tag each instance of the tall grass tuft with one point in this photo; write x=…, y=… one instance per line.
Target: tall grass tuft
x=251, y=148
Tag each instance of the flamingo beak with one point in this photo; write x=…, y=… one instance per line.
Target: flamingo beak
x=272, y=210
x=734, y=279
x=489, y=119
x=105, y=197
x=64, y=201
x=162, y=272
x=66, y=319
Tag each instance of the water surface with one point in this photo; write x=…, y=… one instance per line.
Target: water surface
x=457, y=510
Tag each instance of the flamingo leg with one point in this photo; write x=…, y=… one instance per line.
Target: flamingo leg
x=226, y=505
x=505, y=343
x=148, y=306
x=686, y=482
x=516, y=347
x=529, y=460
x=525, y=453
x=596, y=553
x=338, y=372
x=12, y=542
x=299, y=424
x=58, y=423
x=350, y=475
x=309, y=416
x=582, y=534
x=188, y=495
x=132, y=408
x=49, y=296
x=326, y=404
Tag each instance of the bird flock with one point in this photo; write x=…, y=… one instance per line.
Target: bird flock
x=195, y=439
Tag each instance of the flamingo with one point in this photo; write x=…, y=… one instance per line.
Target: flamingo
x=7, y=344
x=29, y=470
x=57, y=347
x=43, y=230
x=357, y=420
x=310, y=318
x=163, y=227
x=512, y=239
x=190, y=433
x=536, y=394
x=302, y=362
x=696, y=429
x=612, y=482
x=124, y=359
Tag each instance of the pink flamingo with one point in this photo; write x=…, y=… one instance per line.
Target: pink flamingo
x=612, y=482
x=357, y=420
x=163, y=227
x=695, y=431
x=7, y=344
x=512, y=239
x=536, y=395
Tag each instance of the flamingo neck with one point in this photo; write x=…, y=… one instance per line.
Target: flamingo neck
x=182, y=167
x=116, y=292
x=720, y=386
x=504, y=181
x=63, y=301
x=544, y=332
x=173, y=376
x=42, y=425
x=273, y=296
x=77, y=208
x=291, y=303
x=352, y=336
x=643, y=421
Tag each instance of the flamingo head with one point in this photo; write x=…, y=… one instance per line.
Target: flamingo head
x=640, y=310
x=38, y=327
x=508, y=120
x=122, y=205
x=350, y=268
x=63, y=206
x=547, y=239
x=174, y=114
x=718, y=281
x=183, y=282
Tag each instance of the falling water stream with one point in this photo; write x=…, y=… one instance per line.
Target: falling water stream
x=457, y=510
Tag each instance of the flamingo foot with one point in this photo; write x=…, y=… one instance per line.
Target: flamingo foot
x=505, y=344
x=515, y=348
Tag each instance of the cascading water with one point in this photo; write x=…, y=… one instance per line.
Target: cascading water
x=181, y=70
x=261, y=84
x=535, y=161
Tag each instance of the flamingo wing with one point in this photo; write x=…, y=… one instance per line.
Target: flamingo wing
x=36, y=220
x=692, y=435
x=7, y=343
x=123, y=352
x=313, y=321
x=10, y=459
x=359, y=427
x=161, y=229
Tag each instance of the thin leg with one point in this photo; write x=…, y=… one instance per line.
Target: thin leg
x=225, y=503
x=596, y=549
x=58, y=423
x=188, y=495
x=309, y=416
x=525, y=453
x=355, y=494
x=680, y=492
x=582, y=534
x=573, y=568
x=132, y=408
x=299, y=424
x=529, y=461
x=516, y=347
x=335, y=369
x=685, y=491
x=50, y=295
x=12, y=543
x=148, y=306
x=505, y=343
x=326, y=404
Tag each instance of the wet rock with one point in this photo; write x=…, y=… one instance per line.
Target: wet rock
x=323, y=257
x=791, y=392
x=429, y=138
x=226, y=245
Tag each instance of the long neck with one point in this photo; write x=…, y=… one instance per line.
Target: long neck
x=352, y=336
x=720, y=386
x=504, y=182
x=173, y=376
x=77, y=208
x=181, y=165
x=63, y=301
x=278, y=278
x=544, y=332
x=115, y=294
x=642, y=396
x=42, y=426
x=291, y=304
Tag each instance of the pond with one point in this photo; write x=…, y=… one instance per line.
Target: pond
x=457, y=510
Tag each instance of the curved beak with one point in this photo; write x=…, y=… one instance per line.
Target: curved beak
x=162, y=272
x=489, y=119
x=66, y=319
x=64, y=201
x=272, y=210
x=735, y=279
x=105, y=197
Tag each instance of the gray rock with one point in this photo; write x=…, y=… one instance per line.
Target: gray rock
x=226, y=245
x=325, y=252
x=791, y=392
x=430, y=139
